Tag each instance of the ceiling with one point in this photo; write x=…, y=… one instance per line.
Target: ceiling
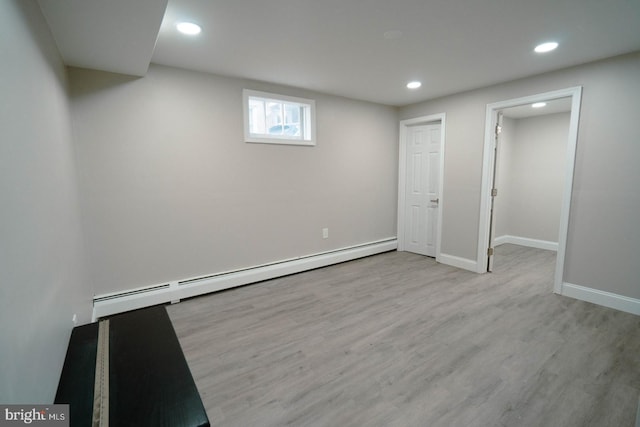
x=560, y=105
x=362, y=49
x=114, y=35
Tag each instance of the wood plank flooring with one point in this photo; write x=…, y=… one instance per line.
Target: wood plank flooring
x=399, y=340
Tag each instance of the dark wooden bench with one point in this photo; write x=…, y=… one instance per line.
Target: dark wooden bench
x=150, y=383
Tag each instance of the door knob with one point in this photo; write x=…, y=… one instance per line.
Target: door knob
x=435, y=200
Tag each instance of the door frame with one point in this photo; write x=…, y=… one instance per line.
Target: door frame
x=487, y=171
x=492, y=201
x=402, y=178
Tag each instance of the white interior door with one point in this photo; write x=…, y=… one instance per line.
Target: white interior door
x=422, y=198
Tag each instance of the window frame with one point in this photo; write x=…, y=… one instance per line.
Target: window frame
x=310, y=121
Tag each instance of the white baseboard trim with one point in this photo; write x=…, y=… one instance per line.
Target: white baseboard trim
x=606, y=299
x=114, y=303
x=525, y=241
x=454, y=261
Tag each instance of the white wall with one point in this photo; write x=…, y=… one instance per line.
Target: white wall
x=171, y=191
x=501, y=207
x=41, y=272
x=604, y=236
x=531, y=173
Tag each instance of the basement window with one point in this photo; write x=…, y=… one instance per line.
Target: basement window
x=278, y=119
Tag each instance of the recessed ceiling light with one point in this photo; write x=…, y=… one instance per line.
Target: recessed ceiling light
x=189, y=28
x=546, y=47
x=414, y=85
x=538, y=104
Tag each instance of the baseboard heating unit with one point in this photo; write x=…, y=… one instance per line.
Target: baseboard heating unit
x=119, y=302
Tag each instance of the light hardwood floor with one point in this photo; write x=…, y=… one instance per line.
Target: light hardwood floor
x=399, y=340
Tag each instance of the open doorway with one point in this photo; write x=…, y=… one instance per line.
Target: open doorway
x=535, y=224
x=529, y=173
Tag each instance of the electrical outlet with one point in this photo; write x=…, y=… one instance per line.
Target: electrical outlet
x=325, y=233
